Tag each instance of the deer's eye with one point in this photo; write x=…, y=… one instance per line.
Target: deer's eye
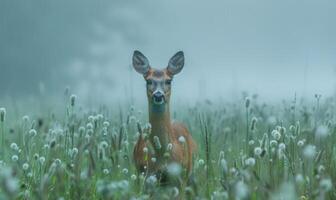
x=168, y=82
x=149, y=82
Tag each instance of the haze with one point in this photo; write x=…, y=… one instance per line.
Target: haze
x=270, y=47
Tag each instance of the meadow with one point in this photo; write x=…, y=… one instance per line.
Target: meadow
x=246, y=149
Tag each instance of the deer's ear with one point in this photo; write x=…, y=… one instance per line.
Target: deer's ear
x=140, y=62
x=176, y=63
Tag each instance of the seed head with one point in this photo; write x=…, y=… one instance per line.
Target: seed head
x=282, y=130
x=74, y=151
x=104, y=144
x=326, y=184
x=276, y=134
x=32, y=132
x=309, y=151
x=299, y=179
x=241, y=190
x=73, y=100
x=106, y=124
x=125, y=171
x=145, y=150
x=247, y=102
x=321, y=169
x=223, y=165
x=58, y=162
x=15, y=158
x=151, y=180
x=257, y=151
x=25, y=118
x=273, y=143
x=157, y=142
x=182, y=139
x=251, y=142
x=174, y=169
x=2, y=114
x=250, y=162
x=175, y=192
x=25, y=166
x=201, y=162
x=322, y=132
x=253, y=123
x=89, y=125
x=153, y=160
x=133, y=177
x=282, y=146
x=42, y=160
x=14, y=146
x=300, y=143
x=169, y=146
x=36, y=156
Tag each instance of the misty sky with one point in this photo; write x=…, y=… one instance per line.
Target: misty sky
x=275, y=48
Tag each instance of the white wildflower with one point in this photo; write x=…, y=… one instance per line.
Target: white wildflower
x=58, y=162
x=321, y=169
x=273, y=143
x=282, y=146
x=15, y=158
x=169, y=146
x=241, y=190
x=106, y=171
x=309, y=151
x=326, y=184
x=157, y=142
x=2, y=114
x=14, y=146
x=223, y=165
x=257, y=151
x=106, y=124
x=201, y=162
x=276, y=134
x=25, y=166
x=300, y=143
x=250, y=162
x=104, y=144
x=322, y=132
x=151, y=180
x=89, y=125
x=41, y=160
x=251, y=142
x=182, y=139
x=299, y=179
x=32, y=132
x=133, y=177
x=25, y=118
x=125, y=171
x=145, y=150
x=174, y=169
x=175, y=192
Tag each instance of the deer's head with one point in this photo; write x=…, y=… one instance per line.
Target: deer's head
x=158, y=81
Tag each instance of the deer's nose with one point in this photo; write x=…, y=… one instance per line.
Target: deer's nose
x=158, y=96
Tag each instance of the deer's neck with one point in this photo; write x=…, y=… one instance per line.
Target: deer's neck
x=159, y=118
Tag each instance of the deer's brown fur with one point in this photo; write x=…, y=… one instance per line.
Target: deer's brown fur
x=161, y=126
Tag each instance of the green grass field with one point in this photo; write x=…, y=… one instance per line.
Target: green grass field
x=246, y=150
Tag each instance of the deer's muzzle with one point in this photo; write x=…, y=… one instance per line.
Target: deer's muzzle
x=158, y=97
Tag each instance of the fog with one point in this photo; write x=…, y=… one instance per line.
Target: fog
x=274, y=48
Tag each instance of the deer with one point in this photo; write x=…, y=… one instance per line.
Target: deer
x=168, y=142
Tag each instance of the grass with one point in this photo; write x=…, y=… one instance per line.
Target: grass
x=80, y=154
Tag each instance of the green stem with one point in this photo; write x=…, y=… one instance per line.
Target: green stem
x=3, y=140
x=247, y=129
